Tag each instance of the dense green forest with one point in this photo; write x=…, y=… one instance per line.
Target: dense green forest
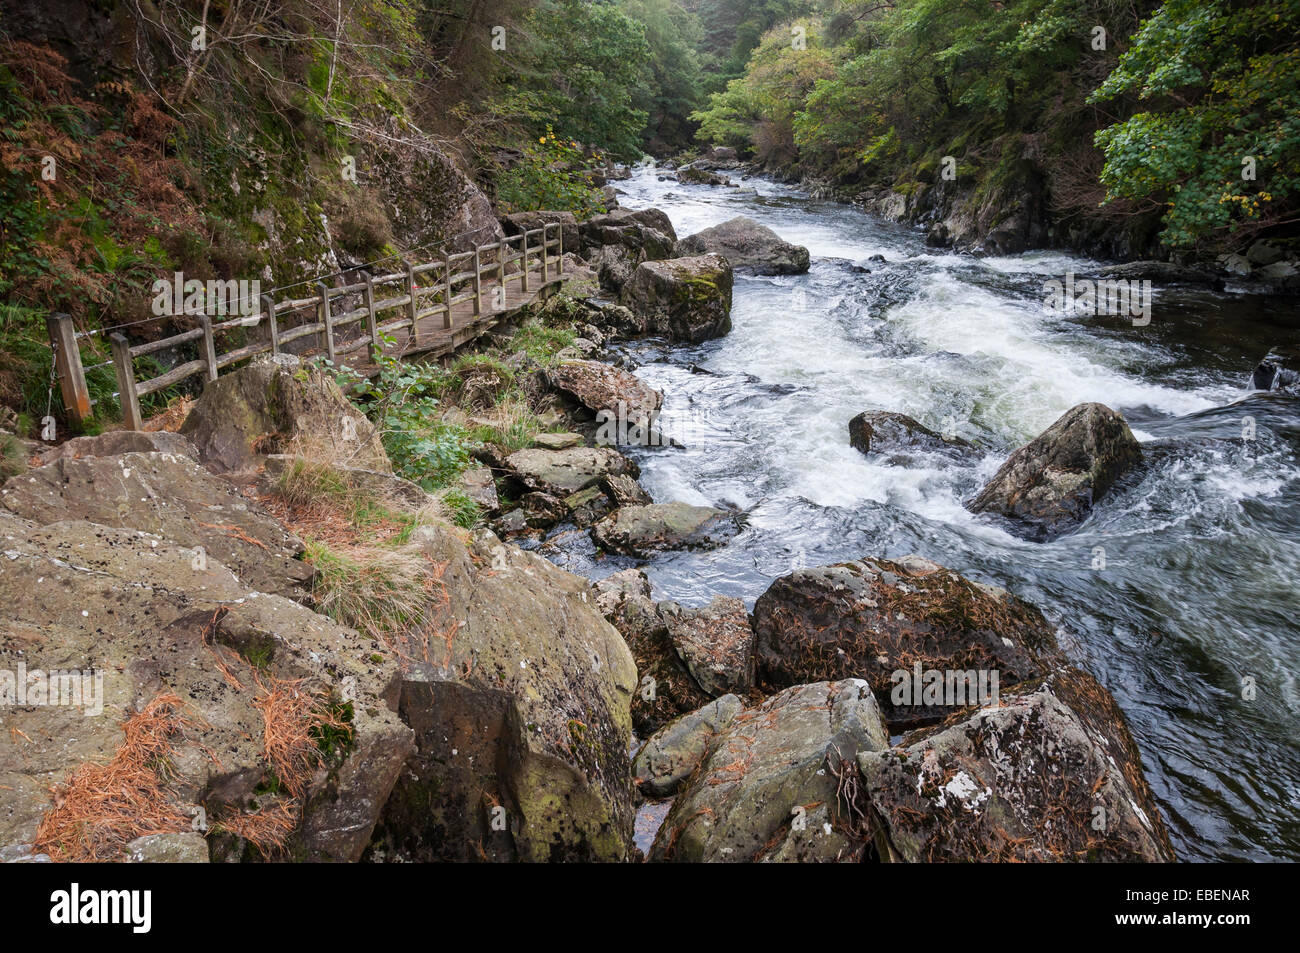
x=210, y=138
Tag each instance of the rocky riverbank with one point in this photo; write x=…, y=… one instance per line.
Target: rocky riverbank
x=331, y=669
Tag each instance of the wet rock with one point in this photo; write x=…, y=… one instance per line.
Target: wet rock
x=880, y=431
x=276, y=404
x=716, y=642
x=677, y=749
x=624, y=491
x=768, y=787
x=642, y=530
x=874, y=619
x=1047, y=487
x=562, y=472
x=521, y=716
x=683, y=299
x=1161, y=272
x=173, y=497
x=587, y=506
x=604, y=387
x=1262, y=253
x=1280, y=370
x=749, y=247
x=666, y=689
x=137, y=612
x=694, y=175
x=1052, y=774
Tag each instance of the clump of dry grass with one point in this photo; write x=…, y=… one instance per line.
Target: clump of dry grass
x=100, y=808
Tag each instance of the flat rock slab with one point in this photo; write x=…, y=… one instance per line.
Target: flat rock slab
x=767, y=787
x=654, y=527
x=885, y=432
x=1051, y=775
x=562, y=472
x=170, y=496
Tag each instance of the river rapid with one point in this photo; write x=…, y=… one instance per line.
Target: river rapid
x=1181, y=584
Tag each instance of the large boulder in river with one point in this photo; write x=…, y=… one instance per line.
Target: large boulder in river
x=604, y=387
x=749, y=247
x=214, y=706
x=682, y=299
x=1052, y=774
x=519, y=694
x=277, y=404
x=642, y=530
x=880, y=620
x=882, y=431
x=1280, y=371
x=666, y=689
x=769, y=785
x=168, y=495
x=1048, y=486
x=616, y=243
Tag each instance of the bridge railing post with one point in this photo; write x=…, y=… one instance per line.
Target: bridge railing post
x=546, y=253
x=412, y=309
x=326, y=319
x=209, y=348
x=372, y=326
x=523, y=261
x=478, y=281
x=126, y=394
x=446, y=283
x=272, y=324
x=503, y=249
x=559, y=260
x=67, y=361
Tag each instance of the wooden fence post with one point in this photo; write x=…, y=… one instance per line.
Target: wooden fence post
x=412, y=311
x=478, y=282
x=559, y=262
x=209, y=348
x=372, y=326
x=67, y=361
x=446, y=280
x=127, y=396
x=503, y=247
x=272, y=325
x=523, y=260
x=546, y=253
x=327, y=319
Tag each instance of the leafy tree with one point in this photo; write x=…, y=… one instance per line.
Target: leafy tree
x=1219, y=142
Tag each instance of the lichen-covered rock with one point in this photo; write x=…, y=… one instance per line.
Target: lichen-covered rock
x=518, y=222
x=183, y=847
x=676, y=750
x=642, y=530
x=604, y=387
x=873, y=619
x=521, y=715
x=622, y=490
x=562, y=472
x=716, y=642
x=480, y=488
x=173, y=497
x=1048, y=486
x=1052, y=774
x=139, y=621
x=614, y=244
x=682, y=299
x=696, y=175
x=769, y=787
x=557, y=441
x=276, y=404
x=881, y=431
x=121, y=441
x=749, y=247
x=666, y=688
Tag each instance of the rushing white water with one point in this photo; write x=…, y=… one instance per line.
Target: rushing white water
x=1202, y=547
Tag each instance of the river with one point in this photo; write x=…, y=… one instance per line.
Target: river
x=1178, y=590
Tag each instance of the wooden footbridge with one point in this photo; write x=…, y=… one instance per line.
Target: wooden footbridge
x=429, y=309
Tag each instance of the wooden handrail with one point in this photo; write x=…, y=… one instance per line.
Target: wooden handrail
x=486, y=273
